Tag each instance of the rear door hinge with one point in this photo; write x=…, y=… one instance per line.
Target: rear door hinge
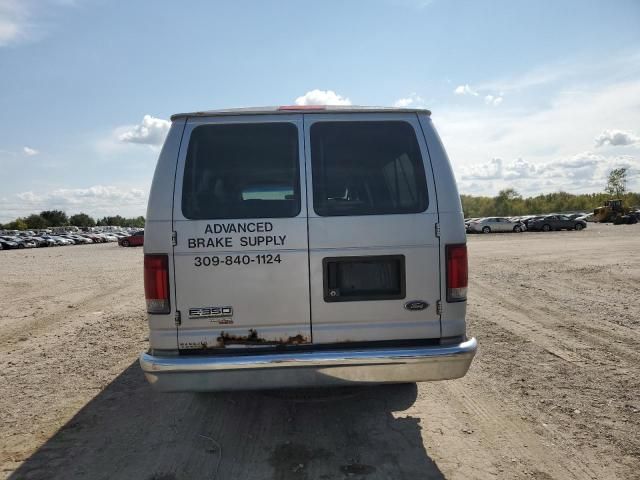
x=174, y=238
x=439, y=307
x=178, y=318
x=437, y=229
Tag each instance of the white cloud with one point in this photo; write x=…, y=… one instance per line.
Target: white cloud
x=30, y=152
x=544, y=133
x=97, y=200
x=494, y=100
x=491, y=170
x=13, y=21
x=322, y=97
x=465, y=90
x=519, y=169
x=152, y=131
x=96, y=194
x=413, y=100
x=534, y=78
x=616, y=138
x=581, y=172
x=19, y=19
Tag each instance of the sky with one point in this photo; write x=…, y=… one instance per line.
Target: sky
x=539, y=96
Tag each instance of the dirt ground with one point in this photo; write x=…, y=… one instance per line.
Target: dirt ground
x=554, y=392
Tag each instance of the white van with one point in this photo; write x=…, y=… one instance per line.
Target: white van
x=304, y=246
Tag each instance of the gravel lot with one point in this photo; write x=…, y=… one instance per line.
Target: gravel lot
x=553, y=393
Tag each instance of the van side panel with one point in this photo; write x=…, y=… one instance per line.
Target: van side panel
x=162, y=334
x=451, y=223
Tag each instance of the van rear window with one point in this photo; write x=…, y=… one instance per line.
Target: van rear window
x=366, y=168
x=242, y=171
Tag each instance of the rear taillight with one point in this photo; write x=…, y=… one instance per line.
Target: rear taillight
x=457, y=273
x=156, y=283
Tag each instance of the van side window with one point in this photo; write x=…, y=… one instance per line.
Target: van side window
x=366, y=168
x=242, y=171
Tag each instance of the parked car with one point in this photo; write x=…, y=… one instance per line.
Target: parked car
x=60, y=240
x=556, y=222
x=589, y=217
x=22, y=243
x=76, y=239
x=134, y=240
x=237, y=268
x=94, y=238
x=495, y=224
x=40, y=241
x=8, y=244
x=82, y=239
x=467, y=221
x=528, y=218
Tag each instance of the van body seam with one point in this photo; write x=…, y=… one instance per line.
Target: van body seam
x=435, y=193
x=306, y=197
x=173, y=207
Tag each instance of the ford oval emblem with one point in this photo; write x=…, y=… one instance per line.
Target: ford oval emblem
x=416, y=305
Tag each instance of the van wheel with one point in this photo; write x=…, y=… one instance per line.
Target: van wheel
x=517, y=229
x=486, y=229
x=125, y=243
x=578, y=226
x=546, y=228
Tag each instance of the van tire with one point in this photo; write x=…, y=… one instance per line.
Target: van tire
x=486, y=229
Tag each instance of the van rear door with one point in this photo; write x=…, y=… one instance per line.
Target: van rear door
x=373, y=248
x=239, y=218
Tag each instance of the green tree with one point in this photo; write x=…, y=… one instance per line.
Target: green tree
x=17, y=224
x=119, y=221
x=115, y=221
x=35, y=222
x=55, y=218
x=617, y=182
x=81, y=220
x=506, y=202
x=137, y=222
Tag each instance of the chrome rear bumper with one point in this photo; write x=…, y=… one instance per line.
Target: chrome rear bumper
x=308, y=369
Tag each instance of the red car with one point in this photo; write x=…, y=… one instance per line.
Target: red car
x=132, y=240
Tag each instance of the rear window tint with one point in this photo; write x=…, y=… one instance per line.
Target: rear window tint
x=242, y=171
x=366, y=168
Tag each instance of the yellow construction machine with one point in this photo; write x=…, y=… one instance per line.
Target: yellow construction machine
x=614, y=211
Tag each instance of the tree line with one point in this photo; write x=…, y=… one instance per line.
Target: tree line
x=58, y=218
x=510, y=203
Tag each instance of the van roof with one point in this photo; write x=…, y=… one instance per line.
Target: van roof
x=289, y=109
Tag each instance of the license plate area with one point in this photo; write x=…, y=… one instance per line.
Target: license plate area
x=361, y=278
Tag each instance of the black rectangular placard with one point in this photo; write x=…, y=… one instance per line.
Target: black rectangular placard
x=350, y=279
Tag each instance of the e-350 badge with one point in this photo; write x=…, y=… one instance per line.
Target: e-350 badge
x=216, y=314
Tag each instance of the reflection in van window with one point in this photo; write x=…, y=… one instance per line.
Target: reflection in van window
x=268, y=192
x=242, y=171
x=366, y=168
